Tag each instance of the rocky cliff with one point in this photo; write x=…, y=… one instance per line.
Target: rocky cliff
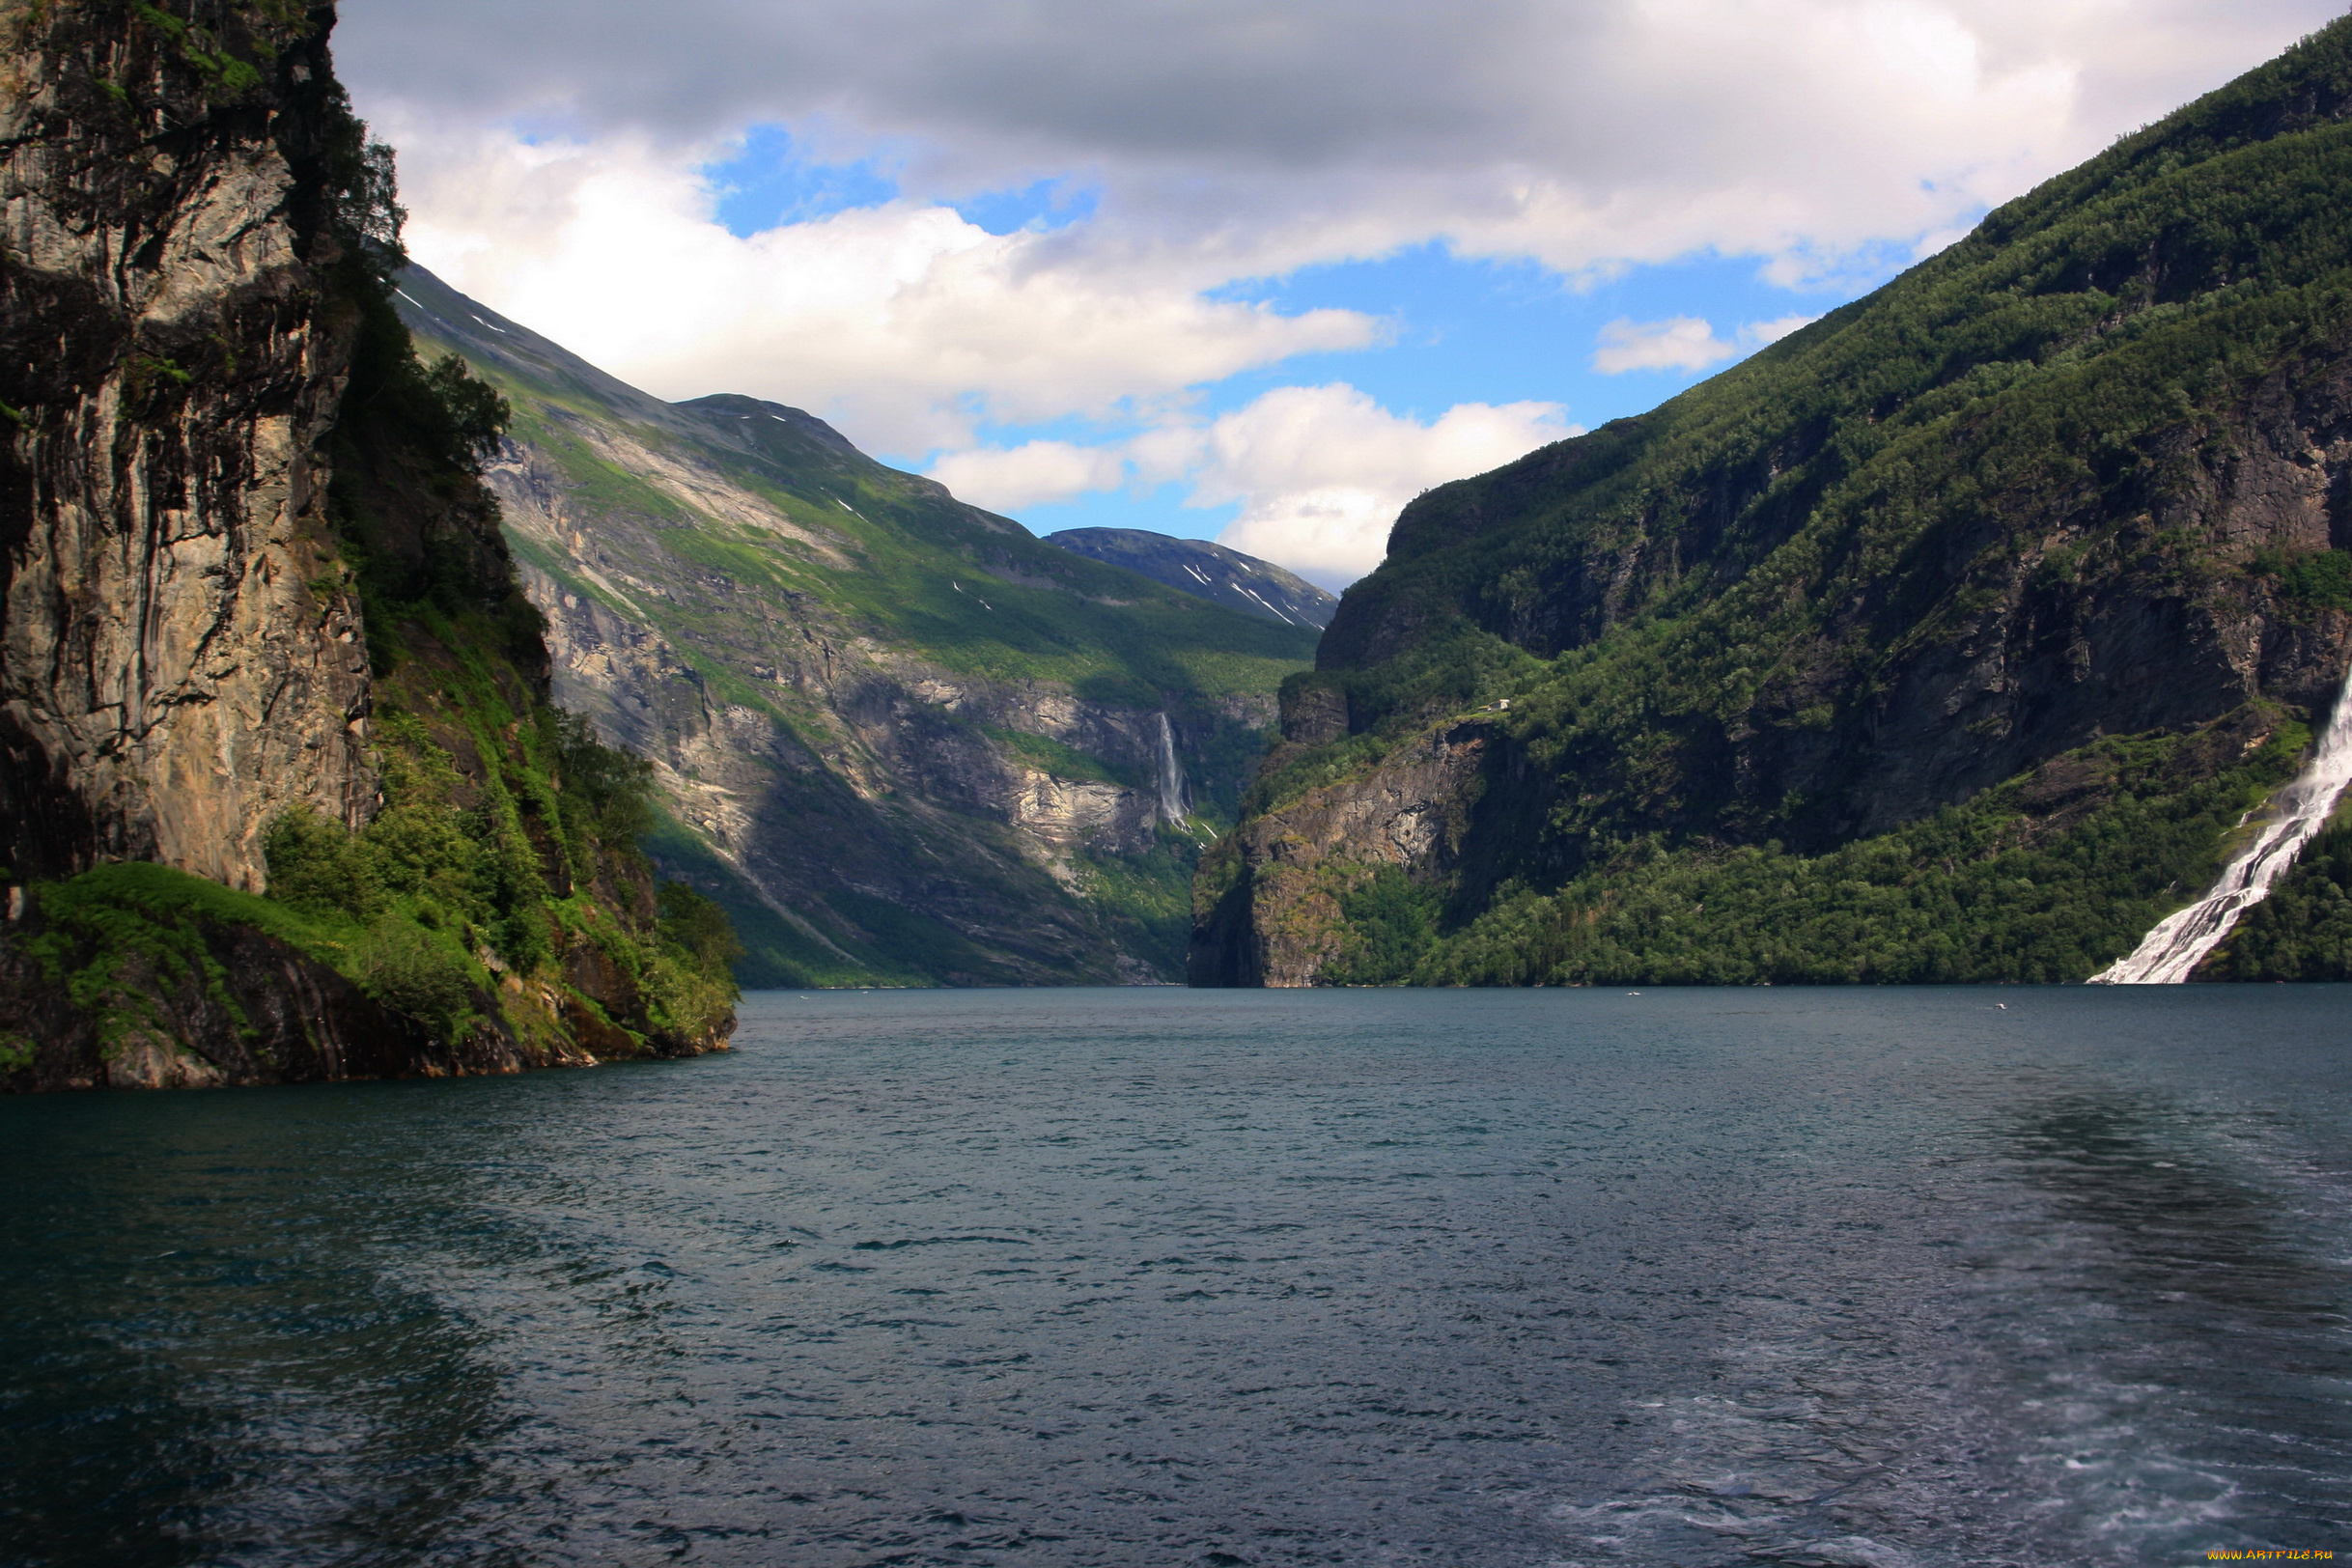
x=180, y=661
x=1946, y=639
x=902, y=740
x=260, y=636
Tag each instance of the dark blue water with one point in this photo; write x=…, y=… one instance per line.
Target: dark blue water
x=1127, y=1279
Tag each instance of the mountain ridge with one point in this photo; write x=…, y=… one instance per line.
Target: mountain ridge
x=902, y=741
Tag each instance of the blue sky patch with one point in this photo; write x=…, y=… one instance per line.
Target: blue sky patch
x=1462, y=331
x=1046, y=205
x=768, y=181
x=1474, y=330
x=767, y=184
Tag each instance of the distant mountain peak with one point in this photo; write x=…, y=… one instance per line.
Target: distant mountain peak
x=741, y=406
x=1211, y=572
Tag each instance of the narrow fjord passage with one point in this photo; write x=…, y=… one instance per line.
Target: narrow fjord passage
x=1129, y=1279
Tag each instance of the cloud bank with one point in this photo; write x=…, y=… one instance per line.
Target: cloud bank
x=554, y=157
x=1248, y=139
x=903, y=321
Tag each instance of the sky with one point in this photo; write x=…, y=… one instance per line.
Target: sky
x=1257, y=270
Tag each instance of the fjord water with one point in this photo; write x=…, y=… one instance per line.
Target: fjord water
x=1127, y=1279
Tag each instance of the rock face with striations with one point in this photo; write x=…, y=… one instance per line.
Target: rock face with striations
x=179, y=665
x=257, y=637
x=1946, y=640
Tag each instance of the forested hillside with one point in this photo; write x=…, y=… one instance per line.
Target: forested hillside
x=1950, y=638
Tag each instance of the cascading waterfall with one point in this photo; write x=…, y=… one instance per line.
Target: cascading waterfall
x=2168, y=955
x=1172, y=804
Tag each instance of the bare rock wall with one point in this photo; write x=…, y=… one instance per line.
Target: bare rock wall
x=179, y=658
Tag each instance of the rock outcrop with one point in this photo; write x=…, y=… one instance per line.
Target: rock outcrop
x=1272, y=912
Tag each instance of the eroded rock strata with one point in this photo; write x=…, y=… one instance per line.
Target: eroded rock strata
x=179, y=660
x=260, y=636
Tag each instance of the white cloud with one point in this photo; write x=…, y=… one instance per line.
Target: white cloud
x=1319, y=473
x=1678, y=343
x=1229, y=139
x=1756, y=334
x=1008, y=479
x=1684, y=343
x=903, y=323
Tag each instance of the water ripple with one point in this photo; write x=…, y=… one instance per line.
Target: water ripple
x=1829, y=1279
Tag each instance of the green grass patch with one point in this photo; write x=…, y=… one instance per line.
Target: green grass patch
x=1052, y=756
x=1147, y=898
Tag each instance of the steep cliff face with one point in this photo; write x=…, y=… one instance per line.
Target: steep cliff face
x=179, y=663
x=904, y=740
x=1909, y=573
x=262, y=637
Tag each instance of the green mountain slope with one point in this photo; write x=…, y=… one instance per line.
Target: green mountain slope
x=902, y=740
x=1948, y=638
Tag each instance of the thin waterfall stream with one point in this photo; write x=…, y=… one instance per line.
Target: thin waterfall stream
x=2172, y=952
x=1173, y=806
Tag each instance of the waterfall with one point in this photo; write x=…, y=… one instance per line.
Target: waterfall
x=1172, y=805
x=2167, y=955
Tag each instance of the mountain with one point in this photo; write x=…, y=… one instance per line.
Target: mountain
x=899, y=739
x=1213, y=572
x=282, y=795
x=1950, y=638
